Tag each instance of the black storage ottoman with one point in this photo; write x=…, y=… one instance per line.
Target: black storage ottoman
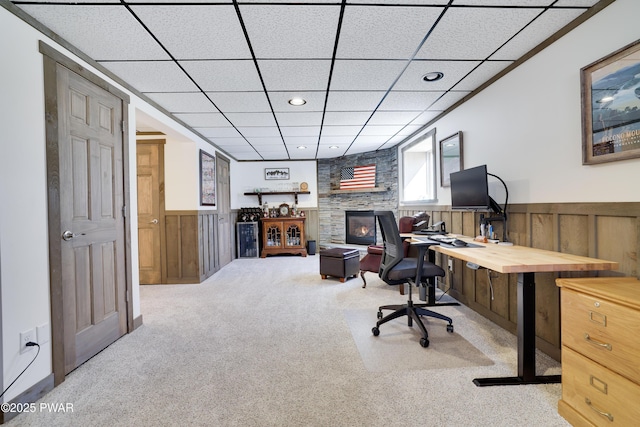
x=339, y=262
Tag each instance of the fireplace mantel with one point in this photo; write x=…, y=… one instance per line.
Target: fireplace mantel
x=359, y=190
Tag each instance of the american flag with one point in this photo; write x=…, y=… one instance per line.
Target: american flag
x=358, y=177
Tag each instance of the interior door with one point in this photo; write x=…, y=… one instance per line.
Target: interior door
x=150, y=173
x=91, y=217
x=225, y=245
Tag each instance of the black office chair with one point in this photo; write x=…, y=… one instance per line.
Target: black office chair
x=395, y=269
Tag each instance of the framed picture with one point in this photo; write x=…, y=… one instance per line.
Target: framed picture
x=207, y=179
x=611, y=107
x=276, y=173
x=450, y=157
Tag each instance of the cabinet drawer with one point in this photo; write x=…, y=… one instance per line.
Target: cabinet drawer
x=603, y=331
x=598, y=393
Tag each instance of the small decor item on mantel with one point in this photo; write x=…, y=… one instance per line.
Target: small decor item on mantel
x=284, y=210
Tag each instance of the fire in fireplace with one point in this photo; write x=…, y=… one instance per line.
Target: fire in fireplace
x=360, y=228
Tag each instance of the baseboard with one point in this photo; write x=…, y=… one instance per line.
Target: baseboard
x=137, y=322
x=30, y=395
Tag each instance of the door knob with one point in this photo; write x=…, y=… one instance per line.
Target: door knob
x=68, y=235
x=153, y=221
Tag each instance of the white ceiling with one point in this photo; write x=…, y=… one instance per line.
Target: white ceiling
x=227, y=68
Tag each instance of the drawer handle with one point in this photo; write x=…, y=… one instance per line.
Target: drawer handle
x=600, y=319
x=598, y=343
x=604, y=414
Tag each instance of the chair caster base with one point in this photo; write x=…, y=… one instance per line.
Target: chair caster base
x=375, y=331
x=450, y=329
x=424, y=342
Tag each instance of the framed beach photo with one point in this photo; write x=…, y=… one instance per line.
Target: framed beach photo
x=611, y=107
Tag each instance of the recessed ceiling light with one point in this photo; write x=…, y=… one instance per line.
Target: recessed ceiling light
x=333, y=147
x=302, y=147
x=433, y=76
x=297, y=101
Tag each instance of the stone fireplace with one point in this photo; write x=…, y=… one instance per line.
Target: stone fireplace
x=360, y=228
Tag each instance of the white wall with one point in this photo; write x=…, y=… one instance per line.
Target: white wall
x=24, y=278
x=526, y=127
x=247, y=176
x=23, y=202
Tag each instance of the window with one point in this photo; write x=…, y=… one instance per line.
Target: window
x=417, y=169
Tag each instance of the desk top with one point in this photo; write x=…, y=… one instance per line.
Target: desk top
x=520, y=259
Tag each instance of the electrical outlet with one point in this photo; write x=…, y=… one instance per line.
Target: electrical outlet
x=43, y=334
x=25, y=337
x=451, y=265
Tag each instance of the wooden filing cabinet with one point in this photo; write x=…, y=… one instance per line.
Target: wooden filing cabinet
x=600, y=351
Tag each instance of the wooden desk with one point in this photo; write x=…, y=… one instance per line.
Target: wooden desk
x=525, y=262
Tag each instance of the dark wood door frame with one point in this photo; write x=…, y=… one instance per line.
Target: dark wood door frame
x=51, y=58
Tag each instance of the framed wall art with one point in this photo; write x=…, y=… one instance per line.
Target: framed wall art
x=450, y=157
x=276, y=173
x=207, y=179
x=611, y=107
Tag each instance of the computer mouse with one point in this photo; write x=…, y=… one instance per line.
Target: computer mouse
x=459, y=243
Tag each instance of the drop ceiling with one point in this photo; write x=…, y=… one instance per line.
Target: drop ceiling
x=227, y=69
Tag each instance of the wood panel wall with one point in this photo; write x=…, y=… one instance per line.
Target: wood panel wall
x=601, y=230
x=191, y=254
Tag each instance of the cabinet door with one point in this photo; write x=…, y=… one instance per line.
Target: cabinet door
x=273, y=236
x=294, y=234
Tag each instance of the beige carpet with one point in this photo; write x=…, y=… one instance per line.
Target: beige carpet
x=268, y=343
x=398, y=348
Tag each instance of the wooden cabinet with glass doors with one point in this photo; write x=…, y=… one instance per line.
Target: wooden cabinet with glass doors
x=283, y=235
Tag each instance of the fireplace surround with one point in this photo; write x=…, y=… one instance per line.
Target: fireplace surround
x=360, y=228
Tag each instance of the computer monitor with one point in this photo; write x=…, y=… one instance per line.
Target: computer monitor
x=470, y=190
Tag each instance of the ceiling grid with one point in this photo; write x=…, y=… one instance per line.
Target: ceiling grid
x=228, y=68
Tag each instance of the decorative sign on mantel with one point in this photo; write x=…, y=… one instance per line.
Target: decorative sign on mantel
x=357, y=177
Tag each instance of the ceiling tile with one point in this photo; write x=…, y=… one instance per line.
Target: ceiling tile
x=550, y=21
x=447, y=100
x=295, y=141
x=203, y=119
x=302, y=118
x=196, y=31
x=453, y=71
x=411, y=101
x=353, y=101
x=340, y=130
x=456, y=35
x=393, y=117
x=219, y=132
x=291, y=31
x=259, y=131
x=289, y=131
x=365, y=74
x=240, y=102
x=481, y=74
x=99, y=31
x=295, y=75
x=384, y=32
x=251, y=119
x=221, y=75
x=183, y=102
x=152, y=76
x=388, y=131
x=280, y=101
x=355, y=118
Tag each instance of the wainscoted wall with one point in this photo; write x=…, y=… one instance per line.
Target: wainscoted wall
x=333, y=203
x=608, y=231
x=190, y=246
